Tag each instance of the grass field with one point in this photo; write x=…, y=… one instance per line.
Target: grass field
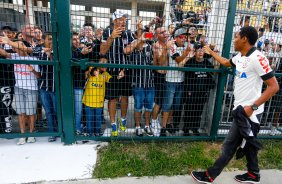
x=171, y=158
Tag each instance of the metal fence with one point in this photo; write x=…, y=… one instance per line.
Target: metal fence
x=67, y=101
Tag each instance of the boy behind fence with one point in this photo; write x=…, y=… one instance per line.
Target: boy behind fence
x=93, y=98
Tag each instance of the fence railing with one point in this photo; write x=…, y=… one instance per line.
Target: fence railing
x=199, y=114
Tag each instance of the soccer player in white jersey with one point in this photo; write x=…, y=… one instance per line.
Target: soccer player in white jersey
x=252, y=69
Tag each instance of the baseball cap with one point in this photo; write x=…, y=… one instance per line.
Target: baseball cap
x=180, y=31
x=7, y=28
x=118, y=14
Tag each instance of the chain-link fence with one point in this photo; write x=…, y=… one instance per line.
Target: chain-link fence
x=29, y=75
x=134, y=69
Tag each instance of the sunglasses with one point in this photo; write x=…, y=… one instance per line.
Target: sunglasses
x=182, y=36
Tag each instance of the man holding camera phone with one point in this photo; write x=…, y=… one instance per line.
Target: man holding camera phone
x=140, y=53
x=113, y=43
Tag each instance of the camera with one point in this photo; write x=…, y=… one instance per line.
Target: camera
x=87, y=44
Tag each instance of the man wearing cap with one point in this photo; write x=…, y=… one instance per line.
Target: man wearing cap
x=113, y=43
x=174, y=79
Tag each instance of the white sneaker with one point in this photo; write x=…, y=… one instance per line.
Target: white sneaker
x=273, y=131
x=21, y=141
x=156, y=128
x=30, y=140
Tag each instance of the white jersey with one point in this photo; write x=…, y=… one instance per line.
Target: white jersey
x=25, y=79
x=251, y=70
x=174, y=75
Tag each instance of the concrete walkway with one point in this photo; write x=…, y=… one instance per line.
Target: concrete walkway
x=268, y=177
x=54, y=163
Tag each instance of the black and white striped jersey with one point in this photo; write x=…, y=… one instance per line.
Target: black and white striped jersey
x=142, y=77
x=115, y=54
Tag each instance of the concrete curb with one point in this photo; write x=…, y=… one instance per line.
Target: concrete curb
x=267, y=177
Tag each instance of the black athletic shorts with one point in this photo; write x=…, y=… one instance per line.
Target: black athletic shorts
x=116, y=88
x=159, y=81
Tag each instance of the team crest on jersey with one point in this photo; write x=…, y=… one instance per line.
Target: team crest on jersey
x=148, y=54
x=246, y=62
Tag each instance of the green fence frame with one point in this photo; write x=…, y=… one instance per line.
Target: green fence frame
x=63, y=62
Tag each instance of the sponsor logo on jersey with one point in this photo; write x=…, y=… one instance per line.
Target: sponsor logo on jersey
x=263, y=62
x=97, y=85
x=241, y=75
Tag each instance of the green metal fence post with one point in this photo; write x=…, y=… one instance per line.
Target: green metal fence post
x=223, y=76
x=64, y=55
x=56, y=65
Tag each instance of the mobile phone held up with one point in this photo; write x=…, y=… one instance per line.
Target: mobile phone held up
x=148, y=35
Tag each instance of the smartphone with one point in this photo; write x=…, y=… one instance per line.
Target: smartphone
x=88, y=44
x=148, y=35
x=206, y=40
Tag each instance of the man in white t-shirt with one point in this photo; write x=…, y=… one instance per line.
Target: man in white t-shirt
x=252, y=69
x=26, y=90
x=174, y=78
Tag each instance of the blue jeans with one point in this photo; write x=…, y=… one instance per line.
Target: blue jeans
x=173, y=96
x=48, y=100
x=94, y=119
x=143, y=97
x=78, y=94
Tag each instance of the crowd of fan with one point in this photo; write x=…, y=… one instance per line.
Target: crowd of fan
x=198, y=17
x=169, y=91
